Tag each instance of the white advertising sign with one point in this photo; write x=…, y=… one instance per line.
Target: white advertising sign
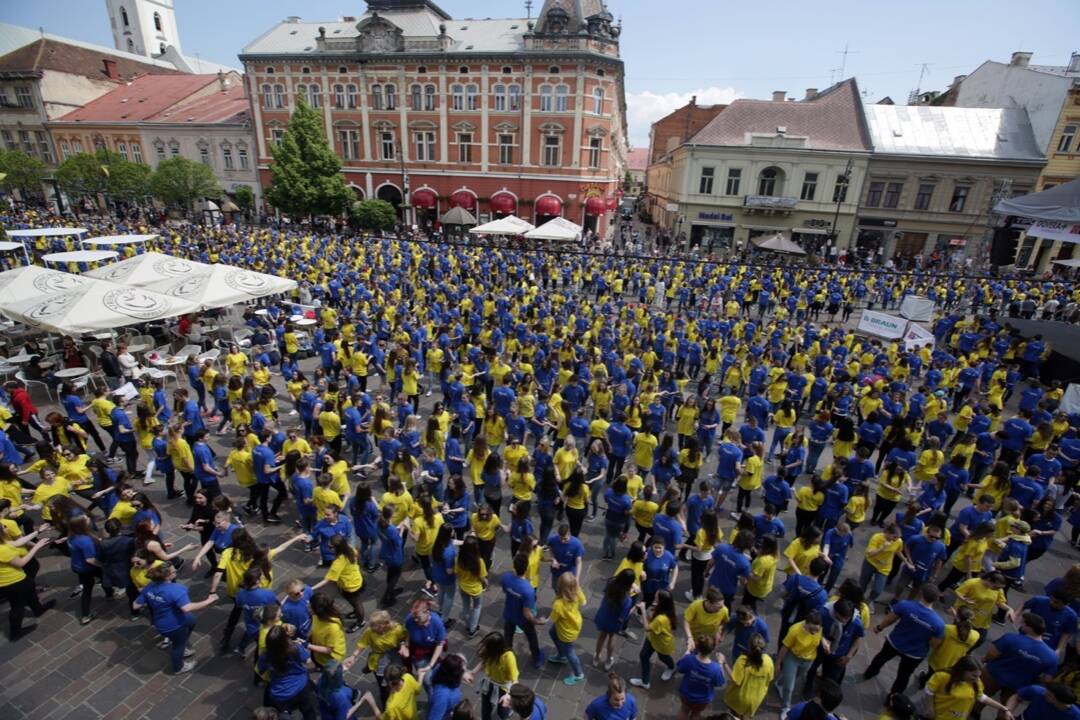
x=882, y=325
x=917, y=336
x=918, y=308
x=1055, y=230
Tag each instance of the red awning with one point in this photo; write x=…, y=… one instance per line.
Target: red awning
x=548, y=205
x=595, y=206
x=612, y=203
x=464, y=200
x=424, y=199
x=503, y=203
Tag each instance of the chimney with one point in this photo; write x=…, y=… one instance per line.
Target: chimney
x=693, y=101
x=811, y=93
x=957, y=80
x=1074, y=62
x=110, y=69
x=1020, y=59
x=778, y=95
x=223, y=82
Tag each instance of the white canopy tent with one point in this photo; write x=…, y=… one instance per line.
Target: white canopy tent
x=148, y=268
x=21, y=235
x=94, y=306
x=1055, y=213
x=33, y=281
x=81, y=256
x=556, y=229
x=221, y=286
x=12, y=246
x=509, y=225
x=1071, y=262
x=778, y=243
x=118, y=240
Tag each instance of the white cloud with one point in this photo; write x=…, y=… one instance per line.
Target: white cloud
x=645, y=108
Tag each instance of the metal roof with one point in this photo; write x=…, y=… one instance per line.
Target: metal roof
x=955, y=132
x=488, y=35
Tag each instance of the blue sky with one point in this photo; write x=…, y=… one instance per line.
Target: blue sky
x=710, y=48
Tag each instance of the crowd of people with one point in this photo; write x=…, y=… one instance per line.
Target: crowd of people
x=713, y=420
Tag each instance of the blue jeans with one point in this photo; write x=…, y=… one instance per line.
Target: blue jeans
x=179, y=638
x=813, y=453
x=645, y=656
x=566, y=650
x=369, y=552
x=611, y=539
x=871, y=581
x=470, y=610
x=834, y=573
x=445, y=598
x=778, y=436
x=792, y=674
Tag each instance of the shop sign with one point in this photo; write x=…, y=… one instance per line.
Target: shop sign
x=722, y=216
x=881, y=324
x=877, y=222
x=817, y=223
x=672, y=207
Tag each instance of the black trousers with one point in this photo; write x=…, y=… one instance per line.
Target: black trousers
x=230, y=626
x=87, y=579
x=575, y=518
x=905, y=672
x=20, y=595
x=530, y=634
x=262, y=496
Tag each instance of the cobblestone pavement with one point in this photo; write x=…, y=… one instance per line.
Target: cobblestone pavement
x=111, y=668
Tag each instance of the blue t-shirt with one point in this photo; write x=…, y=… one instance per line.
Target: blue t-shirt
x=600, y=709
x=566, y=553
x=799, y=711
x=925, y=553
x=250, y=601
x=441, y=701
x=288, y=683
x=391, y=548
x=700, y=679
x=728, y=566
x=918, y=625
x=336, y=705
x=425, y=636
x=72, y=403
x=728, y=458
x=297, y=613
x=1021, y=661
x=223, y=538
x=1058, y=622
x=165, y=600
x=838, y=545
x=519, y=595
x=612, y=619
x=743, y=633
x=82, y=548
x=658, y=570
x=442, y=568
x=1040, y=708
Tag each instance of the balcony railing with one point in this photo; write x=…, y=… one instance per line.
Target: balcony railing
x=770, y=202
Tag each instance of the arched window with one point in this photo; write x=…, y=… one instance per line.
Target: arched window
x=314, y=96
x=279, y=96
x=769, y=181
x=157, y=22
x=391, y=97
x=130, y=46
x=498, y=93
x=429, y=97
x=339, y=96
x=124, y=17
x=457, y=97
x=350, y=96
x=515, y=97
x=161, y=48
x=562, y=93
x=598, y=101
x=472, y=96
x=546, y=98
x=376, y=97
x=268, y=96
x=416, y=98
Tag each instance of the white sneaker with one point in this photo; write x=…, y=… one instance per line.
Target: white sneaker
x=609, y=664
x=639, y=683
x=187, y=667
x=149, y=481
x=689, y=596
x=667, y=674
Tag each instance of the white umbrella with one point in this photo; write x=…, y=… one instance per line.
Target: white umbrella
x=95, y=306
x=778, y=243
x=556, y=229
x=44, y=232
x=223, y=285
x=509, y=225
x=9, y=246
x=147, y=268
x=81, y=256
x=118, y=239
x=33, y=281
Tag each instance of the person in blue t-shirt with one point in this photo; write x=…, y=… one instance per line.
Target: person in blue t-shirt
x=729, y=567
x=519, y=600
x=1019, y=659
x=171, y=610
x=701, y=678
x=615, y=704
x=523, y=701
x=251, y=598
x=916, y=625
x=835, y=546
x=566, y=554
x=392, y=555
x=289, y=688
x=1060, y=619
x=828, y=698
x=295, y=609
x=661, y=570
x=1052, y=701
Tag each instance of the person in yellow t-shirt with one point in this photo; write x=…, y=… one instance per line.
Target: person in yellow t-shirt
x=983, y=595
x=762, y=572
x=960, y=637
x=955, y=692
x=877, y=565
x=659, y=621
x=566, y=622
x=327, y=637
x=345, y=572
x=750, y=679
x=471, y=572
x=381, y=636
x=797, y=652
x=706, y=617
x=402, y=689
x=802, y=551
x=499, y=664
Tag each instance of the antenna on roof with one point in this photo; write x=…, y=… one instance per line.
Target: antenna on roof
x=843, y=63
x=528, y=9
x=913, y=98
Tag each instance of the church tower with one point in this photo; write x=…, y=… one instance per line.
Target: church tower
x=143, y=27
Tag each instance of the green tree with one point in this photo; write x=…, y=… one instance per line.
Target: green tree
x=373, y=214
x=81, y=175
x=306, y=175
x=128, y=181
x=21, y=172
x=245, y=198
x=179, y=181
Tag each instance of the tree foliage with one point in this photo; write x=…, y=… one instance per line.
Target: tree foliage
x=104, y=172
x=373, y=214
x=22, y=172
x=179, y=181
x=81, y=175
x=306, y=175
x=245, y=198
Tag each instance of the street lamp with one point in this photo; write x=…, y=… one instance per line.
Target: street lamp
x=834, y=235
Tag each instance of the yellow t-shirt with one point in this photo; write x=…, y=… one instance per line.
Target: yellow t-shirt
x=469, y=583
x=981, y=598
x=661, y=635
x=9, y=574
x=380, y=644
x=802, y=643
x=703, y=622
x=883, y=562
x=426, y=532
x=402, y=503
x=328, y=633
x=762, y=575
x=566, y=461
x=566, y=616
x=103, y=408
x=504, y=671
x=952, y=648
x=401, y=705
x=484, y=529
x=800, y=555
x=346, y=574
x=958, y=701
x=644, y=445
x=578, y=500
x=241, y=463
x=643, y=512
x=44, y=493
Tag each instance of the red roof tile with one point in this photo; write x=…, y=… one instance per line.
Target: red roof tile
x=833, y=120
x=75, y=60
x=637, y=159
x=230, y=106
x=140, y=99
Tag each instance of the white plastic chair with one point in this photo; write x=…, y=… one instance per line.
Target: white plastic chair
x=21, y=377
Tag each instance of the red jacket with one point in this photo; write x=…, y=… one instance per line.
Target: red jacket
x=23, y=405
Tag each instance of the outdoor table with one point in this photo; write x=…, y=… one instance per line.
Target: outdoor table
x=107, y=335
x=138, y=348
x=306, y=322
x=72, y=372
x=262, y=311
x=168, y=361
x=19, y=359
